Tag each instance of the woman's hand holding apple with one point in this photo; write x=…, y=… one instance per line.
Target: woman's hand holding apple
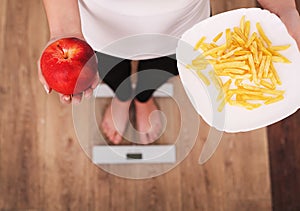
x=69, y=66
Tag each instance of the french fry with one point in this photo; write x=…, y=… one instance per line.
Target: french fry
x=241, y=53
x=274, y=100
x=228, y=38
x=243, y=91
x=240, y=58
x=262, y=67
x=275, y=53
x=255, y=97
x=260, y=55
x=274, y=72
x=222, y=105
x=252, y=38
x=224, y=89
x=215, y=79
x=238, y=39
x=247, y=29
x=214, y=50
x=245, y=62
x=280, y=47
x=234, y=71
x=267, y=84
x=218, y=37
x=230, y=53
x=252, y=68
x=273, y=92
x=198, y=44
x=239, y=98
x=193, y=67
x=238, y=82
x=203, y=78
x=272, y=78
x=239, y=32
x=262, y=47
x=262, y=34
x=267, y=67
x=242, y=24
x=229, y=65
x=244, y=104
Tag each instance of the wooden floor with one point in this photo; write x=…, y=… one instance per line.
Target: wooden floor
x=43, y=167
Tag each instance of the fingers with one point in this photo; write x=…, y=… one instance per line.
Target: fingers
x=42, y=79
x=76, y=99
x=65, y=99
x=88, y=93
x=96, y=81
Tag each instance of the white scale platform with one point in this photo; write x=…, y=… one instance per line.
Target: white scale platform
x=134, y=154
x=105, y=154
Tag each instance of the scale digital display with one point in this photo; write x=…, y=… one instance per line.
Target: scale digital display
x=137, y=156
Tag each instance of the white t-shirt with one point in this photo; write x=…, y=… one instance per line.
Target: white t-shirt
x=139, y=29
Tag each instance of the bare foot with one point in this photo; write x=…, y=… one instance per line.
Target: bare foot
x=148, y=121
x=115, y=120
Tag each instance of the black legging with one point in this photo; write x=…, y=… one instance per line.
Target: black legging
x=152, y=73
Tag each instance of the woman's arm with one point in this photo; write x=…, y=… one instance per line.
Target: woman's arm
x=287, y=11
x=278, y=6
x=64, y=21
x=63, y=18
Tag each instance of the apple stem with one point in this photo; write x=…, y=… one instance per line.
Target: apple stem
x=65, y=53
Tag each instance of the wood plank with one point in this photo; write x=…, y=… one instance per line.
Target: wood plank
x=219, y=184
x=222, y=183
x=222, y=6
x=66, y=167
x=3, y=19
x=236, y=162
x=43, y=166
x=285, y=161
x=20, y=172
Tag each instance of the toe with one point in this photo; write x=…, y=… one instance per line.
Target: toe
x=144, y=138
x=117, y=138
x=152, y=137
x=111, y=138
x=111, y=133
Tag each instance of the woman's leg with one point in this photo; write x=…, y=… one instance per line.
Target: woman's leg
x=152, y=74
x=115, y=72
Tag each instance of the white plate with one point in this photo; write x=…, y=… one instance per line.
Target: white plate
x=236, y=119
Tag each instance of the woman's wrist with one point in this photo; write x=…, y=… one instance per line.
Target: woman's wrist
x=291, y=19
x=278, y=6
x=62, y=34
x=63, y=18
x=287, y=11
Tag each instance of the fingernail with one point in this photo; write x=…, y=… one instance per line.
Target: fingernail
x=46, y=89
x=88, y=95
x=66, y=98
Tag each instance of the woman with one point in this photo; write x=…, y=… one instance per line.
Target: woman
x=104, y=22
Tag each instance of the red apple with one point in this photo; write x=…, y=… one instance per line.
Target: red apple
x=69, y=65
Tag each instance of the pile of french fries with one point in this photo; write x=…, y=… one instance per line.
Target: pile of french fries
x=243, y=69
